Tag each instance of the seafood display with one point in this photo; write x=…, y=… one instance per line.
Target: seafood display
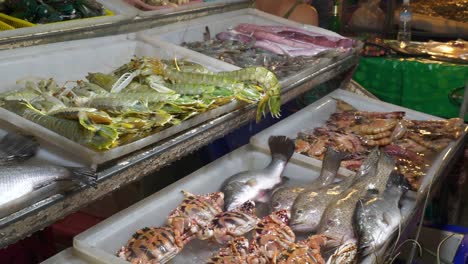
x=378, y=217
x=47, y=11
x=283, y=50
x=337, y=221
x=17, y=178
x=252, y=185
x=138, y=99
x=282, y=198
x=309, y=206
x=160, y=4
x=412, y=142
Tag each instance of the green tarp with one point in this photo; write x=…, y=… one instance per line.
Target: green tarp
x=422, y=85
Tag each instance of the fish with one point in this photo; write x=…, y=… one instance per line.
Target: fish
x=309, y=206
x=19, y=180
x=253, y=184
x=377, y=216
x=283, y=197
x=16, y=148
x=337, y=220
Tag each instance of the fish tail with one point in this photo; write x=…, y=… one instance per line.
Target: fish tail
x=331, y=164
x=84, y=175
x=17, y=146
x=281, y=147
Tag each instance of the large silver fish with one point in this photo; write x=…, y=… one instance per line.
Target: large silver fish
x=309, y=206
x=337, y=220
x=16, y=148
x=283, y=197
x=252, y=185
x=378, y=216
x=17, y=181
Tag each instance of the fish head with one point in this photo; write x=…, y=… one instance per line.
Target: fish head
x=304, y=217
x=283, y=198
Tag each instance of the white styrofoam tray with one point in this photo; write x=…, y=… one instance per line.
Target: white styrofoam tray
x=181, y=8
x=69, y=61
x=192, y=30
x=100, y=243
x=316, y=114
x=120, y=10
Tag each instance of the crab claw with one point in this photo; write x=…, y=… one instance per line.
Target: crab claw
x=345, y=254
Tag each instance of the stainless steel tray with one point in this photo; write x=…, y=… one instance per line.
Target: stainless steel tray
x=72, y=61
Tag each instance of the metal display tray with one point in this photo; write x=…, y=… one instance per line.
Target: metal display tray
x=177, y=33
x=72, y=60
x=100, y=243
x=316, y=114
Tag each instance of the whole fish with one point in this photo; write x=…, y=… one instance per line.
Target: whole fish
x=337, y=221
x=19, y=180
x=16, y=148
x=283, y=197
x=378, y=216
x=252, y=185
x=309, y=206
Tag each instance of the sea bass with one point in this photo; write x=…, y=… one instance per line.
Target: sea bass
x=377, y=216
x=252, y=185
x=283, y=197
x=19, y=180
x=337, y=221
x=309, y=206
x=16, y=148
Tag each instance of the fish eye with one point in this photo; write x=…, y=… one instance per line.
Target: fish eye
x=299, y=212
x=276, y=204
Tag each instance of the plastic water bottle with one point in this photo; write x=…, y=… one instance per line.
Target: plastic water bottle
x=404, y=30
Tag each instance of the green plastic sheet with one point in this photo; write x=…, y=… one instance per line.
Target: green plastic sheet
x=422, y=85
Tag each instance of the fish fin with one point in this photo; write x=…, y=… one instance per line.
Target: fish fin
x=84, y=175
x=281, y=147
x=17, y=146
x=331, y=164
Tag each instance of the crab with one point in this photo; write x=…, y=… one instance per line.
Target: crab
x=272, y=234
x=195, y=213
x=307, y=251
x=228, y=225
x=152, y=246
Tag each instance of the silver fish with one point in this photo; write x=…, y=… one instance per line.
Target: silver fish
x=252, y=185
x=16, y=148
x=337, y=221
x=309, y=206
x=17, y=181
x=378, y=216
x=283, y=197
